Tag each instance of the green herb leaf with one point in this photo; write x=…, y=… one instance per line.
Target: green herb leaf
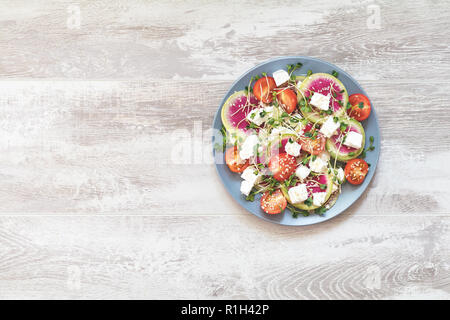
x=334, y=73
x=320, y=211
x=308, y=201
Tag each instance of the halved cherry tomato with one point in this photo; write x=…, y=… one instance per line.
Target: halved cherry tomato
x=273, y=203
x=361, y=108
x=313, y=145
x=262, y=89
x=282, y=166
x=233, y=161
x=356, y=171
x=288, y=99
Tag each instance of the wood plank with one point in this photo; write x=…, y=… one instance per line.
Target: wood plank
x=183, y=39
x=107, y=146
x=202, y=258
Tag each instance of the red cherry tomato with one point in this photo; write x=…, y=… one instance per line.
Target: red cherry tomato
x=262, y=89
x=273, y=203
x=313, y=145
x=288, y=99
x=282, y=166
x=234, y=162
x=356, y=170
x=360, y=109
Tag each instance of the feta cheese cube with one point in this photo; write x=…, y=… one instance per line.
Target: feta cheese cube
x=318, y=165
x=280, y=77
x=329, y=127
x=319, y=198
x=302, y=172
x=293, y=148
x=246, y=187
x=248, y=147
x=353, y=140
x=340, y=175
x=320, y=101
x=298, y=193
x=251, y=175
x=255, y=115
x=324, y=155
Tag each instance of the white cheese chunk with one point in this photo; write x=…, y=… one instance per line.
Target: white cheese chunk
x=293, y=148
x=246, y=187
x=324, y=155
x=340, y=175
x=320, y=101
x=251, y=175
x=260, y=115
x=280, y=77
x=248, y=147
x=302, y=172
x=329, y=127
x=318, y=165
x=298, y=193
x=353, y=140
x=319, y=198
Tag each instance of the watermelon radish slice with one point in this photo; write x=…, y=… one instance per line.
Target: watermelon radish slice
x=340, y=151
x=325, y=84
x=312, y=187
x=234, y=112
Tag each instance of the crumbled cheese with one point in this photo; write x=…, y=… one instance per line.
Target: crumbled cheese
x=293, y=148
x=320, y=101
x=340, y=175
x=298, y=193
x=246, y=187
x=329, y=127
x=318, y=165
x=302, y=172
x=353, y=139
x=248, y=147
x=251, y=175
x=324, y=155
x=319, y=198
x=280, y=77
x=255, y=115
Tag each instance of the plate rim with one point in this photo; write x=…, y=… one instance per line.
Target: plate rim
x=373, y=114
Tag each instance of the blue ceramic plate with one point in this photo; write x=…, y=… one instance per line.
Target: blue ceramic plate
x=350, y=193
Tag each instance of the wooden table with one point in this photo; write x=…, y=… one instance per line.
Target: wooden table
x=95, y=205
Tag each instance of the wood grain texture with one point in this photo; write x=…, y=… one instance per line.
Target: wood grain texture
x=107, y=146
x=220, y=39
x=93, y=204
x=224, y=257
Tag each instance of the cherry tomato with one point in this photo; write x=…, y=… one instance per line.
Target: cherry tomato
x=233, y=161
x=273, y=203
x=313, y=145
x=262, y=89
x=360, y=109
x=288, y=99
x=282, y=166
x=356, y=171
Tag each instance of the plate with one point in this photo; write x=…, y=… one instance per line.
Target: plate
x=350, y=193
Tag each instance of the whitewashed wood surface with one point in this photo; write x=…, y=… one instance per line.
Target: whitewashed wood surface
x=93, y=205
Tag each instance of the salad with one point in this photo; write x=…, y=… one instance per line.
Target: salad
x=295, y=139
